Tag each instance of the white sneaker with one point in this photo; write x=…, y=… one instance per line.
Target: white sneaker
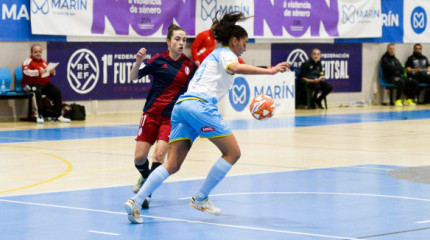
x=63, y=119
x=133, y=211
x=205, y=206
x=40, y=120
x=136, y=188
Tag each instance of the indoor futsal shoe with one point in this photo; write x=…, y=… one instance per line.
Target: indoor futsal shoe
x=145, y=204
x=205, y=206
x=133, y=211
x=139, y=184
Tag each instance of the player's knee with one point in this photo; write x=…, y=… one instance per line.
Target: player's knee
x=159, y=158
x=233, y=157
x=172, y=168
x=140, y=158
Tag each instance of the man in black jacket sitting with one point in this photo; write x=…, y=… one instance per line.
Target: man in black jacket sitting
x=394, y=73
x=312, y=75
x=418, y=66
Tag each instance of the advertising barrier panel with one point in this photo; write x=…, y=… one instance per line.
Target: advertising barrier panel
x=392, y=18
x=416, y=21
x=97, y=71
x=342, y=63
x=15, y=23
x=280, y=87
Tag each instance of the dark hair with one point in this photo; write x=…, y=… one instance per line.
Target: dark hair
x=173, y=27
x=418, y=44
x=315, y=49
x=226, y=28
x=34, y=45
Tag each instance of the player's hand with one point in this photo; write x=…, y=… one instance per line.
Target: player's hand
x=197, y=63
x=52, y=72
x=322, y=79
x=280, y=67
x=141, y=55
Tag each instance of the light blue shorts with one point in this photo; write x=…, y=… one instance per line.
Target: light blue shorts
x=192, y=118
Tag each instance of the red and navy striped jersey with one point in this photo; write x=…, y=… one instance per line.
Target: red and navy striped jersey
x=171, y=79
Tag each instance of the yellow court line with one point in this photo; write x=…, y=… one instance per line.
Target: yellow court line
x=75, y=172
x=68, y=170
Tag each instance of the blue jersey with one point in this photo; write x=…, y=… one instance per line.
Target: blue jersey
x=171, y=79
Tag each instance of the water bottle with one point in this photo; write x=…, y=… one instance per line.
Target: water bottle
x=3, y=86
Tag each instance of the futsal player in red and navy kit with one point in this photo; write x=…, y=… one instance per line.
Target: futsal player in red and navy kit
x=172, y=71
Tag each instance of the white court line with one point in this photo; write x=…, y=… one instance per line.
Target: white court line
x=106, y=233
x=173, y=181
x=320, y=193
x=425, y=221
x=185, y=220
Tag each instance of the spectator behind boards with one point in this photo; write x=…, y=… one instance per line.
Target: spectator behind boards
x=394, y=73
x=311, y=73
x=203, y=45
x=418, y=66
x=36, y=79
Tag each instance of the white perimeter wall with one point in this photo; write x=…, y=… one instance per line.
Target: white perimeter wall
x=13, y=53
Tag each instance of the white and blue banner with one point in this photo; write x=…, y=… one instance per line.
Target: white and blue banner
x=15, y=23
x=280, y=87
x=151, y=18
x=392, y=19
x=416, y=21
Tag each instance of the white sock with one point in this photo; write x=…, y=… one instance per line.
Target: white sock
x=216, y=174
x=155, y=179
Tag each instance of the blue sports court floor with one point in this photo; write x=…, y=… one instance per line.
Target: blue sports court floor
x=352, y=202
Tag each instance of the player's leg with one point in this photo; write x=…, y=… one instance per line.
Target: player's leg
x=230, y=154
x=182, y=135
x=146, y=137
x=177, y=153
x=158, y=157
x=161, y=148
x=209, y=123
x=141, y=163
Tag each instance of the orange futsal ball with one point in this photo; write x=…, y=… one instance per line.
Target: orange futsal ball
x=262, y=107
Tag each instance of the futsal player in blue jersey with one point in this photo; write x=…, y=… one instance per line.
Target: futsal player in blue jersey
x=172, y=71
x=196, y=114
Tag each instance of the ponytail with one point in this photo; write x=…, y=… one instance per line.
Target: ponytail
x=226, y=28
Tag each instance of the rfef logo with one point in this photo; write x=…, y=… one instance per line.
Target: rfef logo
x=83, y=71
x=296, y=58
x=418, y=20
x=239, y=94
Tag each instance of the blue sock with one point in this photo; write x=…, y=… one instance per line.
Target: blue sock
x=216, y=174
x=155, y=179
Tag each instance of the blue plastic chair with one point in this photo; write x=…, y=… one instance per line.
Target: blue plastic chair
x=389, y=86
x=18, y=79
x=422, y=86
x=5, y=79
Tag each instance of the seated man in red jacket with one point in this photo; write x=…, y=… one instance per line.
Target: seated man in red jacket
x=33, y=68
